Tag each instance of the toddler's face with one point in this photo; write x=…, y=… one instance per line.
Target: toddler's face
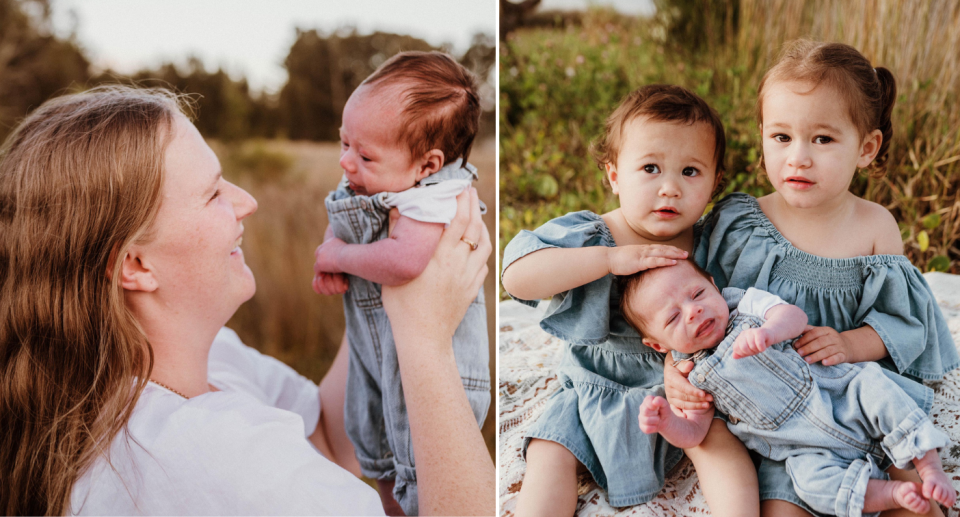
x=811, y=148
x=371, y=154
x=682, y=310
x=664, y=175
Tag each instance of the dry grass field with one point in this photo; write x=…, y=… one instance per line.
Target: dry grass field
x=285, y=318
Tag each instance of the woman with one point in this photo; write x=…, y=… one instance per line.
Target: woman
x=121, y=261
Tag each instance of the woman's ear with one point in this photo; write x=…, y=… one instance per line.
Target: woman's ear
x=136, y=274
x=430, y=162
x=612, y=177
x=869, y=148
x=656, y=346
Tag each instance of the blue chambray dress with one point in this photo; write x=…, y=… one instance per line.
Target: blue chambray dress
x=605, y=373
x=741, y=248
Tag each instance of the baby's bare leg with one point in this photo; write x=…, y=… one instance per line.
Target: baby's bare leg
x=550, y=484
x=727, y=475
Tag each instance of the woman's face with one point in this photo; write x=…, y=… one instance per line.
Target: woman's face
x=195, y=253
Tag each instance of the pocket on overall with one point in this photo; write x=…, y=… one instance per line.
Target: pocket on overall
x=763, y=390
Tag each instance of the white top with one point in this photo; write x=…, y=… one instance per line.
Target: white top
x=757, y=302
x=435, y=203
x=239, y=451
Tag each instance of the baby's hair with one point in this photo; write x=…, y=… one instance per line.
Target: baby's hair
x=663, y=103
x=869, y=92
x=441, y=107
x=629, y=286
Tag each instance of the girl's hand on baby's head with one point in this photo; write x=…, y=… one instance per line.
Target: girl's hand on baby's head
x=823, y=344
x=680, y=393
x=630, y=259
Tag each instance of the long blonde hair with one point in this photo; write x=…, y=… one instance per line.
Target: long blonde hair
x=80, y=181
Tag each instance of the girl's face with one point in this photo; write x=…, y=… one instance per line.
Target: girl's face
x=811, y=148
x=664, y=176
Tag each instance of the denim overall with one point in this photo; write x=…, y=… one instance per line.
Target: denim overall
x=832, y=424
x=375, y=412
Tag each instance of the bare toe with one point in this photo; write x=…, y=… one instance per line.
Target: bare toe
x=908, y=496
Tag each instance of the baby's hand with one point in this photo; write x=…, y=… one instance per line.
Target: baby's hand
x=330, y=283
x=326, y=256
x=823, y=344
x=680, y=393
x=751, y=341
x=627, y=260
x=653, y=413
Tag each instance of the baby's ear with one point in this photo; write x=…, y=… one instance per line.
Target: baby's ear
x=654, y=345
x=430, y=162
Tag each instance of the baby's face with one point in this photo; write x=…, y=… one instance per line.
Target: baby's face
x=664, y=175
x=682, y=310
x=371, y=153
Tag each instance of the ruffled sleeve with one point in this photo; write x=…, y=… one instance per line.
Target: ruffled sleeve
x=733, y=226
x=581, y=315
x=898, y=303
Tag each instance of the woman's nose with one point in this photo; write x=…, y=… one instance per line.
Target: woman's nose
x=244, y=204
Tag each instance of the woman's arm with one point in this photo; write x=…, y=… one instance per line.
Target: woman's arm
x=455, y=474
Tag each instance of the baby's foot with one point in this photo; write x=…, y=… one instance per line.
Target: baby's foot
x=936, y=486
x=908, y=495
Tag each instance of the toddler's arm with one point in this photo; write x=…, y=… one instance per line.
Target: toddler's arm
x=784, y=322
x=550, y=271
x=683, y=429
x=396, y=260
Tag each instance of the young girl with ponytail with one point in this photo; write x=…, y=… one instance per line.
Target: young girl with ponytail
x=824, y=113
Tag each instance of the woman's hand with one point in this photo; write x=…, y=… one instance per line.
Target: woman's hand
x=630, y=259
x=680, y=393
x=455, y=475
x=437, y=300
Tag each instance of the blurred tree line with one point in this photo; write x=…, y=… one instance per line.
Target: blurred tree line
x=323, y=69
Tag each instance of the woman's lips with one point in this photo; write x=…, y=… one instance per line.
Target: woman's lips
x=706, y=327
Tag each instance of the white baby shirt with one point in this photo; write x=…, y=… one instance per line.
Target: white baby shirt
x=239, y=451
x=435, y=203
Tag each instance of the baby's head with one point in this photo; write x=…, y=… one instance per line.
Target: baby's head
x=416, y=112
x=824, y=112
x=675, y=307
x=662, y=150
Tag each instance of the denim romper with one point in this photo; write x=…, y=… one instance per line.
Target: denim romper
x=741, y=248
x=605, y=373
x=831, y=424
x=374, y=410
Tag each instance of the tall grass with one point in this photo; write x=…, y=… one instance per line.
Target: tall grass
x=285, y=318
x=558, y=85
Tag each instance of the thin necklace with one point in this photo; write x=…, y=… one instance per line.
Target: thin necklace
x=169, y=388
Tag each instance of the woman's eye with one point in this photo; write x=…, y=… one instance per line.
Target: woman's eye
x=651, y=168
x=690, y=172
x=822, y=140
x=781, y=138
x=215, y=195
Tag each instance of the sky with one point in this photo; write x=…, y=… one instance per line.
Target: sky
x=251, y=38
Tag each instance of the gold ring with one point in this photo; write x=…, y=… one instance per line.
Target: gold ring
x=473, y=245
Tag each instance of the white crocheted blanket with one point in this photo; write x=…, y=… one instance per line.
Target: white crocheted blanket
x=528, y=360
